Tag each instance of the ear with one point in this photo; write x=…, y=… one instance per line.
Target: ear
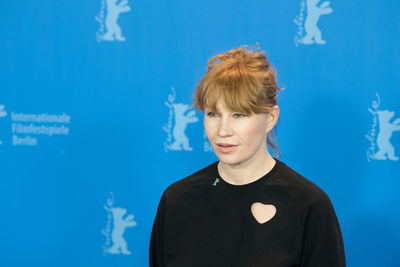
x=273, y=118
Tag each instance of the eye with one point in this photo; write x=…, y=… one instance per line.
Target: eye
x=238, y=115
x=211, y=114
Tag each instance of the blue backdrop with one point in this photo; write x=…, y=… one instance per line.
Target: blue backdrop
x=94, y=122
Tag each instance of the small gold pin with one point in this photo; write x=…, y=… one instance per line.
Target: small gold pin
x=216, y=181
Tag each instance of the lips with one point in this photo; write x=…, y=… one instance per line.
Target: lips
x=226, y=147
x=225, y=144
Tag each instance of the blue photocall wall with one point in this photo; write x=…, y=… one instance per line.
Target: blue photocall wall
x=94, y=119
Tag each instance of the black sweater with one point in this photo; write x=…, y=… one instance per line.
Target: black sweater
x=204, y=221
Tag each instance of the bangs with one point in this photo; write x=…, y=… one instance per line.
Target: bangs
x=235, y=86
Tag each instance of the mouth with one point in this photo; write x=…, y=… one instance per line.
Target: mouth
x=226, y=148
x=225, y=144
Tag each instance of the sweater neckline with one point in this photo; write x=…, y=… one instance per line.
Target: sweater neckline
x=221, y=183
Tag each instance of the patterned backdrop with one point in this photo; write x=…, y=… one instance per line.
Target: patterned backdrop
x=96, y=118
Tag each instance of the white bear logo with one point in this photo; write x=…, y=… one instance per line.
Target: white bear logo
x=313, y=33
x=113, y=29
x=119, y=243
x=119, y=224
x=3, y=113
x=386, y=129
x=181, y=122
x=313, y=14
x=177, y=111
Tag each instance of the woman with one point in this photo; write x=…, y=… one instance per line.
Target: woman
x=248, y=209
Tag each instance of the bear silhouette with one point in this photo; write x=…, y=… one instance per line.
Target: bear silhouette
x=113, y=11
x=181, y=122
x=119, y=243
x=3, y=113
x=386, y=130
x=310, y=25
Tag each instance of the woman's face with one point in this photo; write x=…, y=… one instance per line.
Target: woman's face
x=237, y=138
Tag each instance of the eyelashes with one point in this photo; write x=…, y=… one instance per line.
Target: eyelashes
x=236, y=115
x=239, y=115
x=211, y=114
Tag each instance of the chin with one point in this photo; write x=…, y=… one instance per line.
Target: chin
x=229, y=160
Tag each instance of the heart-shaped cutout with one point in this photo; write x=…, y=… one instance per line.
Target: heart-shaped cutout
x=263, y=212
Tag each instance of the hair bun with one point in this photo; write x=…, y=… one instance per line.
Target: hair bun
x=235, y=54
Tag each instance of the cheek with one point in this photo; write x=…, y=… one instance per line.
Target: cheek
x=253, y=133
x=208, y=128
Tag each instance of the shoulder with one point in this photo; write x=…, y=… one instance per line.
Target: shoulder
x=194, y=183
x=303, y=192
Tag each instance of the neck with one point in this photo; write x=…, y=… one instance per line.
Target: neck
x=246, y=172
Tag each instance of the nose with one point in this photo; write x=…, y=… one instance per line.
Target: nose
x=225, y=128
